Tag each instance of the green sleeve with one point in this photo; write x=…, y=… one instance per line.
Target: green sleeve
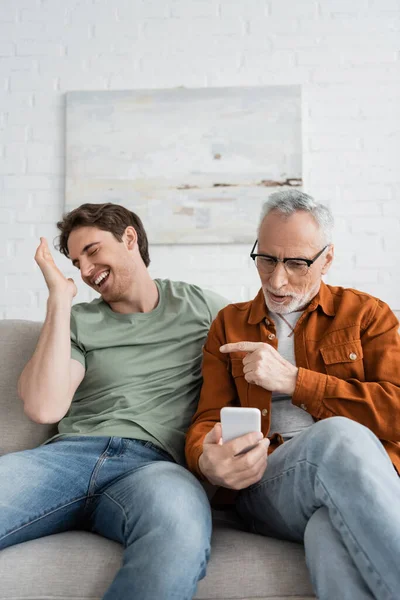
x=214, y=302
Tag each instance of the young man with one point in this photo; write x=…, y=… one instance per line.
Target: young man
x=122, y=375
x=322, y=364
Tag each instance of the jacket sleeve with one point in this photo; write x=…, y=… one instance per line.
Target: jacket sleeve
x=374, y=402
x=218, y=390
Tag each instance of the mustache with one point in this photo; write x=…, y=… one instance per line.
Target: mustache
x=287, y=295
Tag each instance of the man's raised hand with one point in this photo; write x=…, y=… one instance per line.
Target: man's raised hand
x=222, y=464
x=55, y=280
x=264, y=366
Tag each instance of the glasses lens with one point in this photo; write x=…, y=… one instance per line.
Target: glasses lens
x=296, y=267
x=266, y=265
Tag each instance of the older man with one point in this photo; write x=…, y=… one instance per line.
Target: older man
x=322, y=364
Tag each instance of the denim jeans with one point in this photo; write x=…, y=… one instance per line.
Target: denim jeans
x=334, y=488
x=125, y=490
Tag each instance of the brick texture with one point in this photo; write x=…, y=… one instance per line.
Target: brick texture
x=344, y=54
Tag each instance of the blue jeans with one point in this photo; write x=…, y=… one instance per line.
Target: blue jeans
x=334, y=488
x=125, y=490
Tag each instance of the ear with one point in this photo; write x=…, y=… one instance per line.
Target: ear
x=130, y=237
x=328, y=259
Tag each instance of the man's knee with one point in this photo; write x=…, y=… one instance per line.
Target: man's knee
x=340, y=431
x=343, y=441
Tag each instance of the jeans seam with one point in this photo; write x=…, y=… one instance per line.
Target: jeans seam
x=261, y=484
x=99, y=463
x=203, y=567
x=50, y=512
x=353, y=538
x=107, y=495
x=119, y=506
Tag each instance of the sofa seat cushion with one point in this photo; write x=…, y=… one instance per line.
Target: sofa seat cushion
x=81, y=565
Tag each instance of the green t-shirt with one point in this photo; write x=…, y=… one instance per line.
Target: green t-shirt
x=143, y=370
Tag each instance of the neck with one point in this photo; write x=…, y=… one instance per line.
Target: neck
x=142, y=298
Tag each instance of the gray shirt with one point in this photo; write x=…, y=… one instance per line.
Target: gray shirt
x=286, y=418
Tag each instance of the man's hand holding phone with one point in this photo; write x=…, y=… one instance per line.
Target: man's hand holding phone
x=231, y=464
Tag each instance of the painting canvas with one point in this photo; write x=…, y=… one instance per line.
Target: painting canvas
x=194, y=164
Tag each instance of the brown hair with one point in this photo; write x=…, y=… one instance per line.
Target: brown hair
x=108, y=217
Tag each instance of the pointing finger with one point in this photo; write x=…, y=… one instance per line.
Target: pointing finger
x=241, y=347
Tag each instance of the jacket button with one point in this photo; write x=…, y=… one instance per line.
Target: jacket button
x=271, y=336
x=352, y=355
x=264, y=412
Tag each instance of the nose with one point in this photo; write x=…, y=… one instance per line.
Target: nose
x=278, y=277
x=86, y=268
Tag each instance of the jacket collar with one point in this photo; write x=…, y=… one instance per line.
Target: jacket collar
x=324, y=299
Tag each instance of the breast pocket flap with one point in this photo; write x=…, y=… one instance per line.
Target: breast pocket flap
x=342, y=353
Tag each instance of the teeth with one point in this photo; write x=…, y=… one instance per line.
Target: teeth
x=101, y=277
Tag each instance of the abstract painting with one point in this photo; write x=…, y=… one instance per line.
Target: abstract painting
x=195, y=164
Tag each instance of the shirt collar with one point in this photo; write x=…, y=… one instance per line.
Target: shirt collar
x=324, y=299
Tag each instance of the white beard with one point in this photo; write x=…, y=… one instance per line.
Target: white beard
x=297, y=302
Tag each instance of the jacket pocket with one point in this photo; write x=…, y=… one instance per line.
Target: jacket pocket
x=241, y=384
x=344, y=360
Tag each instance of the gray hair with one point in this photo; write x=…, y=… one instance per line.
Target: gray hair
x=289, y=201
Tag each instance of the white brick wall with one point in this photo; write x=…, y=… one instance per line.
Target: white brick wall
x=344, y=53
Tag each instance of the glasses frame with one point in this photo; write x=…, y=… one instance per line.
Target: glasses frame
x=309, y=261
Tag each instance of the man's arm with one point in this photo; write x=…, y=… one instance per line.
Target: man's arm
x=374, y=402
x=205, y=454
x=49, y=380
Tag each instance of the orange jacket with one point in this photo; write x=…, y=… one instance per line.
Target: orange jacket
x=347, y=349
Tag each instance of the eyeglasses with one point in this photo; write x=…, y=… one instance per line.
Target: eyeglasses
x=293, y=266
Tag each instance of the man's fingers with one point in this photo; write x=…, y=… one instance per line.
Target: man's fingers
x=248, y=477
x=247, y=367
x=43, y=252
x=252, y=464
x=41, y=249
x=43, y=244
x=215, y=435
x=239, y=444
x=241, y=347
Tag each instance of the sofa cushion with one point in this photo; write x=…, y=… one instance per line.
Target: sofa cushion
x=80, y=566
x=17, y=343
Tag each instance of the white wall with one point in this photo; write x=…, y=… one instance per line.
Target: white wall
x=345, y=53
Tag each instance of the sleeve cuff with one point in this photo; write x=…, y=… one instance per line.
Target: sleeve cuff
x=309, y=391
x=77, y=355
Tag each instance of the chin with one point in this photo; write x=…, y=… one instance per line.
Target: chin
x=283, y=309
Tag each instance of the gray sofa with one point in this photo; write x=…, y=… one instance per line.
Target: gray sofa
x=80, y=565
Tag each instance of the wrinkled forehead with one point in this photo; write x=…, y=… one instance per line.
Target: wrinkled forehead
x=298, y=232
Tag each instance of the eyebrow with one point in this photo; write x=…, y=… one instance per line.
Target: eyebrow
x=84, y=251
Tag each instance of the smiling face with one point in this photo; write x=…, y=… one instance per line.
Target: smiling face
x=293, y=236
x=107, y=265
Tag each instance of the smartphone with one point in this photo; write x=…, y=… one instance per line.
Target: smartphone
x=237, y=421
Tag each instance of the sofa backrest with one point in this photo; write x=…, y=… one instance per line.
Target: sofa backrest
x=17, y=342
